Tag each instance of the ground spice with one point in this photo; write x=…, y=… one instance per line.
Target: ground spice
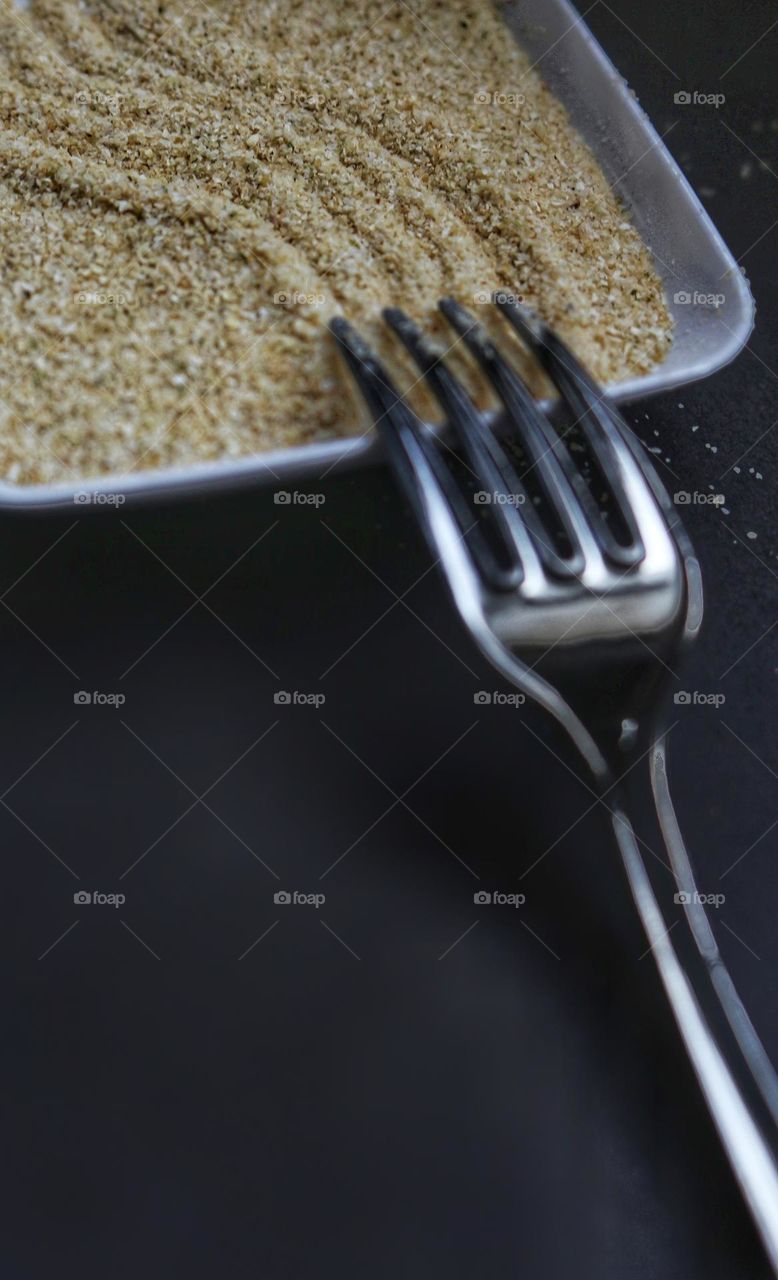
x=189, y=193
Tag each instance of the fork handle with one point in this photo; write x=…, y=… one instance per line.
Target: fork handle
x=751, y=1047
x=743, y=1140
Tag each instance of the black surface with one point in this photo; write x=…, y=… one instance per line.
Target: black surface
x=349, y=1102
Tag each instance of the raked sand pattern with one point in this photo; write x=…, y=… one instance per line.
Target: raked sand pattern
x=188, y=192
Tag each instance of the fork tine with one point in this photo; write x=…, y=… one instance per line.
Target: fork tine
x=481, y=450
x=424, y=475
x=599, y=424
x=546, y=453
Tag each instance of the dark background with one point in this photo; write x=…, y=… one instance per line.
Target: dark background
x=398, y=1083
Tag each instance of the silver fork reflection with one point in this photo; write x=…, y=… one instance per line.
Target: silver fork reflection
x=570, y=569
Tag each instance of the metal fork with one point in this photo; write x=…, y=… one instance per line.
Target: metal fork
x=569, y=567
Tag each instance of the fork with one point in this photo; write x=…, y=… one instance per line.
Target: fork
x=569, y=567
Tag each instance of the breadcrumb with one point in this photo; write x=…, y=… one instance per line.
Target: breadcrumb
x=189, y=193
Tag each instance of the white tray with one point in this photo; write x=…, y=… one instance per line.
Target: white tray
x=690, y=256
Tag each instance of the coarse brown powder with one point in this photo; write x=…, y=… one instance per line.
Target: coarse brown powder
x=189, y=193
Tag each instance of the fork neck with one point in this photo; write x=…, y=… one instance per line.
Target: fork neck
x=620, y=698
